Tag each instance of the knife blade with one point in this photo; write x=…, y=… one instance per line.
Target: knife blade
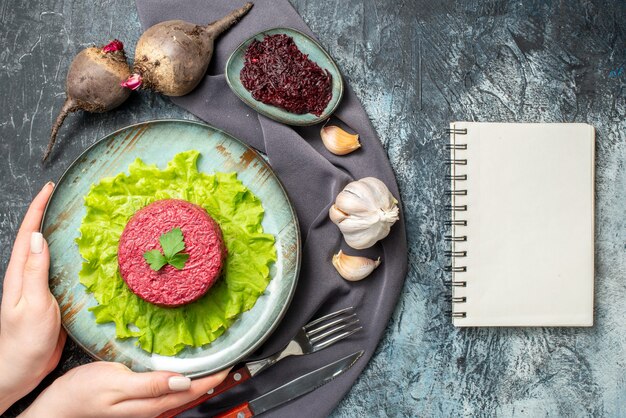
x=293, y=389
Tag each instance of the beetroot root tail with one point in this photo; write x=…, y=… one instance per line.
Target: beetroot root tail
x=229, y=20
x=68, y=107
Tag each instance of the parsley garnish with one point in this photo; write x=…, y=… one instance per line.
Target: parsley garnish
x=172, y=244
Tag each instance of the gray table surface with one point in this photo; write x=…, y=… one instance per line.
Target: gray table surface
x=416, y=66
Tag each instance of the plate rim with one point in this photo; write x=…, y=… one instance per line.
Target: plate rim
x=244, y=354
x=278, y=118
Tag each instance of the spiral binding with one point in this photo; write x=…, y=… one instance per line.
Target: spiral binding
x=454, y=192
x=456, y=222
x=456, y=300
x=457, y=208
x=459, y=161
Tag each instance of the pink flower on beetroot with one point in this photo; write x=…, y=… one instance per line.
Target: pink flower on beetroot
x=133, y=82
x=114, y=45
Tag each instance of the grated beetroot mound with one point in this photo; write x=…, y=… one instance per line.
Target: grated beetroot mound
x=169, y=286
x=277, y=73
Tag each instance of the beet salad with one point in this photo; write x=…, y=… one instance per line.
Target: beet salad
x=201, y=247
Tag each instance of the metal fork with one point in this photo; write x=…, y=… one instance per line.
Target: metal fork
x=314, y=336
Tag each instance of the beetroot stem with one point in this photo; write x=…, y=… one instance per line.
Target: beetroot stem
x=219, y=26
x=68, y=107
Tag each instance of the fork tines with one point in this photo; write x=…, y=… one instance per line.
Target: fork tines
x=332, y=328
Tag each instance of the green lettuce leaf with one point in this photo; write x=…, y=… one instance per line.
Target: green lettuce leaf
x=166, y=331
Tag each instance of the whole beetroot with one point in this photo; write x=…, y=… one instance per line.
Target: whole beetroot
x=93, y=84
x=172, y=57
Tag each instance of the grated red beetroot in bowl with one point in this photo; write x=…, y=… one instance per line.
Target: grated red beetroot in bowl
x=277, y=73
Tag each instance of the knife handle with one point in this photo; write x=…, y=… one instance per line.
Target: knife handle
x=233, y=379
x=240, y=411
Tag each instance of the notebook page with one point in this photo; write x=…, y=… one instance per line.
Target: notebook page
x=530, y=225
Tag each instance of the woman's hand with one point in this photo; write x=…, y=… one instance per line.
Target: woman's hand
x=104, y=389
x=31, y=338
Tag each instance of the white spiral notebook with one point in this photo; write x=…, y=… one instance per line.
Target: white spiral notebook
x=522, y=224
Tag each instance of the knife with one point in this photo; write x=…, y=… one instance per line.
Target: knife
x=293, y=389
x=234, y=378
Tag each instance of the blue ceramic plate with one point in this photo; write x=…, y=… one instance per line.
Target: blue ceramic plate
x=316, y=54
x=157, y=142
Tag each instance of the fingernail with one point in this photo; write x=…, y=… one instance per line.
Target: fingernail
x=36, y=243
x=50, y=183
x=179, y=383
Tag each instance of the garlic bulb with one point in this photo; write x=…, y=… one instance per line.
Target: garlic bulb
x=338, y=141
x=364, y=211
x=354, y=268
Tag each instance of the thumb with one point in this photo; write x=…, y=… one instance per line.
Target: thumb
x=35, y=276
x=155, y=384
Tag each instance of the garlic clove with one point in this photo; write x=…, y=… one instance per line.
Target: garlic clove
x=354, y=268
x=379, y=192
x=338, y=141
x=359, y=239
x=371, y=192
x=353, y=200
x=336, y=215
